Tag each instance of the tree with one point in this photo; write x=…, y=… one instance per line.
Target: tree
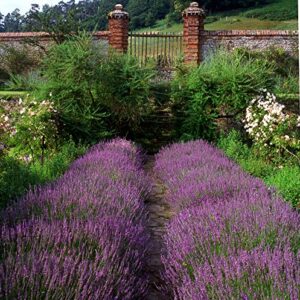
x=1, y=23
x=13, y=22
x=60, y=21
x=217, y=5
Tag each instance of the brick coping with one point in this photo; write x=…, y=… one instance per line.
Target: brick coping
x=24, y=35
x=250, y=33
x=105, y=34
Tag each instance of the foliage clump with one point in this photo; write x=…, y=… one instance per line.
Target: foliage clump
x=17, y=61
x=274, y=132
x=221, y=87
x=96, y=95
x=282, y=174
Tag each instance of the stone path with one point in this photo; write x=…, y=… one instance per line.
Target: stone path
x=159, y=215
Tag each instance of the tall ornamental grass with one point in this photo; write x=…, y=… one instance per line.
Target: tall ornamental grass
x=82, y=236
x=231, y=238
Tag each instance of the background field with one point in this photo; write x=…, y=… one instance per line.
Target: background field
x=281, y=15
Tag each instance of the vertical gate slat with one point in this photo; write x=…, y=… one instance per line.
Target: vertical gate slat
x=131, y=43
x=135, y=54
x=163, y=48
x=169, y=55
x=157, y=48
x=173, y=48
x=142, y=54
x=146, y=48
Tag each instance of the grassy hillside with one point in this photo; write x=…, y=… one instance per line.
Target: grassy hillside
x=281, y=10
x=281, y=15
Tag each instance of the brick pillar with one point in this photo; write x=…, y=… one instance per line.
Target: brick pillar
x=118, y=23
x=193, y=18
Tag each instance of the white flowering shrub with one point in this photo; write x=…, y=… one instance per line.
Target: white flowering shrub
x=274, y=132
x=28, y=127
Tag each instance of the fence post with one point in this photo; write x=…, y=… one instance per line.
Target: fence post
x=118, y=23
x=193, y=18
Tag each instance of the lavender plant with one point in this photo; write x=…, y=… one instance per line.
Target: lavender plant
x=232, y=238
x=257, y=274
x=81, y=237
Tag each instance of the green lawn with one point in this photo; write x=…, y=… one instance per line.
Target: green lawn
x=12, y=94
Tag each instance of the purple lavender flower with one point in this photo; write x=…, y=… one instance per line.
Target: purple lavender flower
x=231, y=238
x=82, y=236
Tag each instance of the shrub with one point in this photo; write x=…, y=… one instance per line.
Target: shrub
x=29, y=127
x=55, y=164
x=274, y=132
x=83, y=236
x=96, y=94
x=17, y=177
x=70, y=78
x=236, y=148
x=235, y=239
x=285, y=67
x=287, y=183
x=287, y=85
x=125, y=90
x=17, y=60
x=23, y=82
x=285, y=178
x=233, y=145
x=221, y=86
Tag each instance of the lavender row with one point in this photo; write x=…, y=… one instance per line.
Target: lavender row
x=231, y=238
x=81, y=237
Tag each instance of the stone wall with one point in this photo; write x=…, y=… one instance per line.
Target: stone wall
x=250, y=39
x=30, y=38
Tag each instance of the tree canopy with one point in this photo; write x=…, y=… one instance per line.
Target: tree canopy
x=92, y=14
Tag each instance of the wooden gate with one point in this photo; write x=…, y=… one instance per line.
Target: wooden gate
x=162, y=48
